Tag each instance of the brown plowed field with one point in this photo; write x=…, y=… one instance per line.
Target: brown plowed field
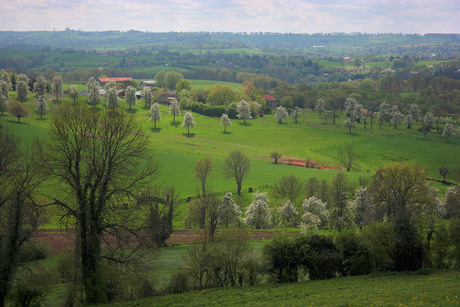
x=62, y=240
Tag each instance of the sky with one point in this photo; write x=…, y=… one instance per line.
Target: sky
x=282, y=16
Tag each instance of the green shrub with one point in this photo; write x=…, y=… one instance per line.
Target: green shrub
x=66, y=268
x=282, y=259
x=30, y=287
x=179, y=282
x=379, y=239
x=318, y=256
x=356, y=259
x=33, y=251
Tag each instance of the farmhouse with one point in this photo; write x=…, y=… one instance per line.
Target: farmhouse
x=166, y=99
x=149, y=83
x=104, y=81
x=271, y=101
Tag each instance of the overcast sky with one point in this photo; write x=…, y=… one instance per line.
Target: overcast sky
x=297, y=16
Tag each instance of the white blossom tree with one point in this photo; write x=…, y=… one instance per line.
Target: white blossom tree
x=448, y=131
x=94, y=92
x=113, y=101
x=310, y=221
x=56, y=87
x=23, y=77
x=4, y=88
x=41, y=105
x=174, y=109
x=243, y=110
x=409, y=120
x=320, y=106
x=414, y=111
x=281, y=113
x=384, y=113
x=288, y=215
x=258, y=214
x=396, y=116
x=3, y=103
x=225, y=121
x=296, y=113
x=155, y=114
x=317, y=207
x=428, y=120
x=147, y=97
x=229, y=211
x=349, y=123
x=361, y=205
x=130, y=96
x=188, y=122
x=40, y=86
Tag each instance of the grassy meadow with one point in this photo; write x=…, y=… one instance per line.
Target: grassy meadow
x=310, y=138
x=401, y=289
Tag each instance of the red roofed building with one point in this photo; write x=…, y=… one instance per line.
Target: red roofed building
x=271, y=101
x=104, y=81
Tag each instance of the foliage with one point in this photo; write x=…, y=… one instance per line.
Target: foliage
x=161, y=205
x=18, y=110
x=448, y=131
x=356, y=259
x=341, y=215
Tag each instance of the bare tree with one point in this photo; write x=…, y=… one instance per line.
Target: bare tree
x=99, y=160
x=203, y=170
x=74, y=93
x=348, y=156
x=289, y=187
x=237, y=166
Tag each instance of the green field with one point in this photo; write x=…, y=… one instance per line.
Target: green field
x=403, y=289
x=177, y=152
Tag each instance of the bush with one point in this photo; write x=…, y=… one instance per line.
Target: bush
x=226, y=261
x=282, y=259
x=30, y=287
x=318, y=256
x=179, y=282
x=409, y=253
x=33, y=251
x=207, y=110
x=356, y=259
x=379, y=239
x=66, y=268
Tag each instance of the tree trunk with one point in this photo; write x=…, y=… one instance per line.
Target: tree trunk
x=239, y=188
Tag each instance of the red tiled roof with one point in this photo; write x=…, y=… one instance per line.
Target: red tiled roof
x=123, y=79
x=269, y=97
